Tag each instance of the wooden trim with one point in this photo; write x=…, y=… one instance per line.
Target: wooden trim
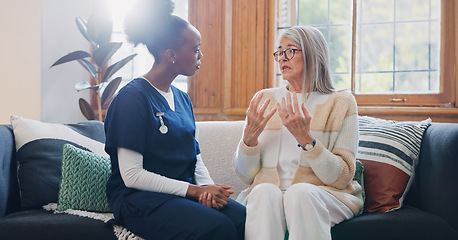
x=410, y=110
x=207, y=111
x=353, y=46
x=227, y=69
x=411, y=113
x=447, y=54
x=271, y=30
x=396, y=100
x=215, y=114
x=455, y=86
x=192, y=18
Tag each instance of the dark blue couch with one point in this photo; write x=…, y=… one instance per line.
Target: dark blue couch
x=430, y=211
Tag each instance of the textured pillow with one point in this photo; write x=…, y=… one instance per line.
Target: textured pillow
x=389, y=151
x=39, y=148
x=359, y=177
x=84, y=177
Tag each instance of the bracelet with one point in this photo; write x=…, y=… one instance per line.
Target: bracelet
x=308, y=146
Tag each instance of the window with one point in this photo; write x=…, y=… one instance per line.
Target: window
x=397, y=46
x=142, y=63
x=388, y=52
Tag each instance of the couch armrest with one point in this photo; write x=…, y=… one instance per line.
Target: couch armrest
x=435, y=187
x=9, y=190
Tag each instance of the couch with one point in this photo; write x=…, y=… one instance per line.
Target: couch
x=430, y=209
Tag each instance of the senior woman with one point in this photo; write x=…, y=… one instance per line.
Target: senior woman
x=298, y=147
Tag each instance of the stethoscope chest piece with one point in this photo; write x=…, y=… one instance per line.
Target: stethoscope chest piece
x=162, y=129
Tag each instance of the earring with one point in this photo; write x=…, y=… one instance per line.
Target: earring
x=173, y=61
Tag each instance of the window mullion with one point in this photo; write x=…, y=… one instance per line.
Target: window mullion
x=429, y=47
x=394, y=48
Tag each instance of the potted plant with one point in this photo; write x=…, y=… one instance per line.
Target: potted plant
x=97, y=31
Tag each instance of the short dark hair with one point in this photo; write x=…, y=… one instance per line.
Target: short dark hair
x=151, y=22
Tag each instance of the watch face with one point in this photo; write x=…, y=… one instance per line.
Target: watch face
x=308, y=147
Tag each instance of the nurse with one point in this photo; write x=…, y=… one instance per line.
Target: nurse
x=160, y=187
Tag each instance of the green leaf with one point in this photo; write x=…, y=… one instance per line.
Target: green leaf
x=111, y=70
x=87, y=110
x=82, y=26
x=71, y=57
x=85, y=85
x=105, y=52
x=90, y=67
x=110, y=90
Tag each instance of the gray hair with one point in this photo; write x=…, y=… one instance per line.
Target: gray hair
x=316, y=75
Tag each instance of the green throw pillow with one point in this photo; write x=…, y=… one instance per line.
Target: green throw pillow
x=84, y=177
x=359, y=177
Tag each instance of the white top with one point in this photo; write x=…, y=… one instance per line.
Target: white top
x=167, y=95
x=135, y=176
x=290, y=153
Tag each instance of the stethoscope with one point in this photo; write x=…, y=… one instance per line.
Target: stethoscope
x=163, y=129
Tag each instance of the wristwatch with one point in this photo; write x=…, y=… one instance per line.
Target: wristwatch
x=309, y=146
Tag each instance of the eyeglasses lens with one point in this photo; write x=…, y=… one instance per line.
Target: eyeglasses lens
x=289, y=53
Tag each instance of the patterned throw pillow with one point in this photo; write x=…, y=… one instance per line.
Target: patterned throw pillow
x=39, y=153
x=84, y=177
x=389, y=151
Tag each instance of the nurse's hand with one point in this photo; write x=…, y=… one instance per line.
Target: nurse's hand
x=212, y=195
x=207, y=200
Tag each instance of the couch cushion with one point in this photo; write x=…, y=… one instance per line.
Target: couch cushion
x=83, y=183
x=389, y=151
x=39, y=153
x=42, y=224
x=407, y=223
x=218, y=141
x=9, y=191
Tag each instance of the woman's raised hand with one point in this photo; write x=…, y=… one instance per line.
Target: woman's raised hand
x=255, y=119
x=294, y=121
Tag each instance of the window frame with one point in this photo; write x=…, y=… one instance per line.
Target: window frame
x=446, y=98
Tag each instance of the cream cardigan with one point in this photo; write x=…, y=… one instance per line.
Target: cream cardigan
x=329, y=165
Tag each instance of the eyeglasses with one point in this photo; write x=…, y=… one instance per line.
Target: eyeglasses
x=289, y=54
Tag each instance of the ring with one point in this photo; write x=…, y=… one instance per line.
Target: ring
x=286, y=116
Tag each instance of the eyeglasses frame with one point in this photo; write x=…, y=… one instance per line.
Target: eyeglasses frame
x=284, y=53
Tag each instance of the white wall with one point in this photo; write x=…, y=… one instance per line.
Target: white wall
x=34, y=35
x=20, y=61
x=61, y=36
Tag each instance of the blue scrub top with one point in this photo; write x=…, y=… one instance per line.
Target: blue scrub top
x=131, y=122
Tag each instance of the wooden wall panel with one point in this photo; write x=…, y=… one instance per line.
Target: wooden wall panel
x=251, y=34
x=236, y=43
x=205, y=86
